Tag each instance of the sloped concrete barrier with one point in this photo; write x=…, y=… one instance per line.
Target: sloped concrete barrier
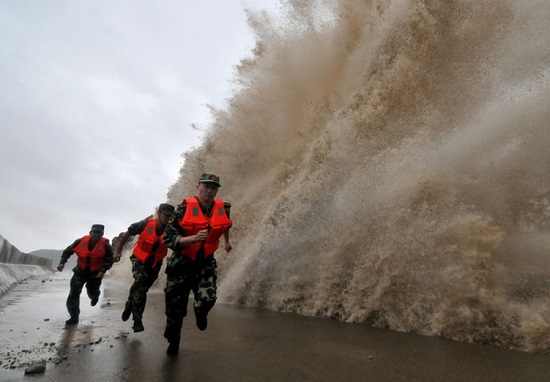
x=16, y=266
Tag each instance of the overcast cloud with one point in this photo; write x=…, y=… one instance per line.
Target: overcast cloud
x=96, y=104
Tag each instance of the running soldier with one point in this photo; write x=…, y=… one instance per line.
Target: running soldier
x=193, y=233
x=95, y=257
x=148, y=253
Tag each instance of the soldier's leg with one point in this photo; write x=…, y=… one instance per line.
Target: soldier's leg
x=92, y=288
x=73, y=300
x=129, y=302
x=137, y=292
x=144, y=277
x=176, y=296
x=204, y=291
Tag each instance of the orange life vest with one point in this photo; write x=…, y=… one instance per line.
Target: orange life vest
x=194, y=220
x=147, y=240
x=95, y=258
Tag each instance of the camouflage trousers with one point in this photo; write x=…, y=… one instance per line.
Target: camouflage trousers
x=199, y=278
x=144, y=277
x=78, y=281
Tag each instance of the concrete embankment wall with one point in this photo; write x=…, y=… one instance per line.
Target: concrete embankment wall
x=16, y=266
x=11, y=274
x=11, y=255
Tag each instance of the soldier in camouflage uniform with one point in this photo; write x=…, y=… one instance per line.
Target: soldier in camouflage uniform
x=95, y=257
x=147, y=256
x=193, y=234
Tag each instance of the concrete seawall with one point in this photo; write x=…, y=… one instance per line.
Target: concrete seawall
x=16, y=266
x=11, y=255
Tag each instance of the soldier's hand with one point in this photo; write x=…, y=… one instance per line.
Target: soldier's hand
x=116, y=257
x=201, y=235
x=228, y=247
x=60, y=267
x=100, y=275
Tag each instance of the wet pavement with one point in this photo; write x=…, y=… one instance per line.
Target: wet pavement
x=240, y=344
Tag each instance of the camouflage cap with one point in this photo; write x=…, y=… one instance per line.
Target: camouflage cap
x=166, y=209
x=98, y=228
x=210, y=178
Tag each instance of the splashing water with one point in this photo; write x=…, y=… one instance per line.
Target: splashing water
x=386, y=162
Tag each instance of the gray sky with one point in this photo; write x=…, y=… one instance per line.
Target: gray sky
x=97, y=99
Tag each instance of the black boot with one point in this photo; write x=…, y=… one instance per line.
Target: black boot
x=138, y=326
x=95, y=299
x=126, y=314
x=173, y=347
x=202, y=321
x=72, y=321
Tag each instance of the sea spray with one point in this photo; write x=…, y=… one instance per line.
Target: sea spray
x=386, y=162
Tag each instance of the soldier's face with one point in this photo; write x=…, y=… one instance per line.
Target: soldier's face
x=207, y=192
x=164, y=218
x=95, y=236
